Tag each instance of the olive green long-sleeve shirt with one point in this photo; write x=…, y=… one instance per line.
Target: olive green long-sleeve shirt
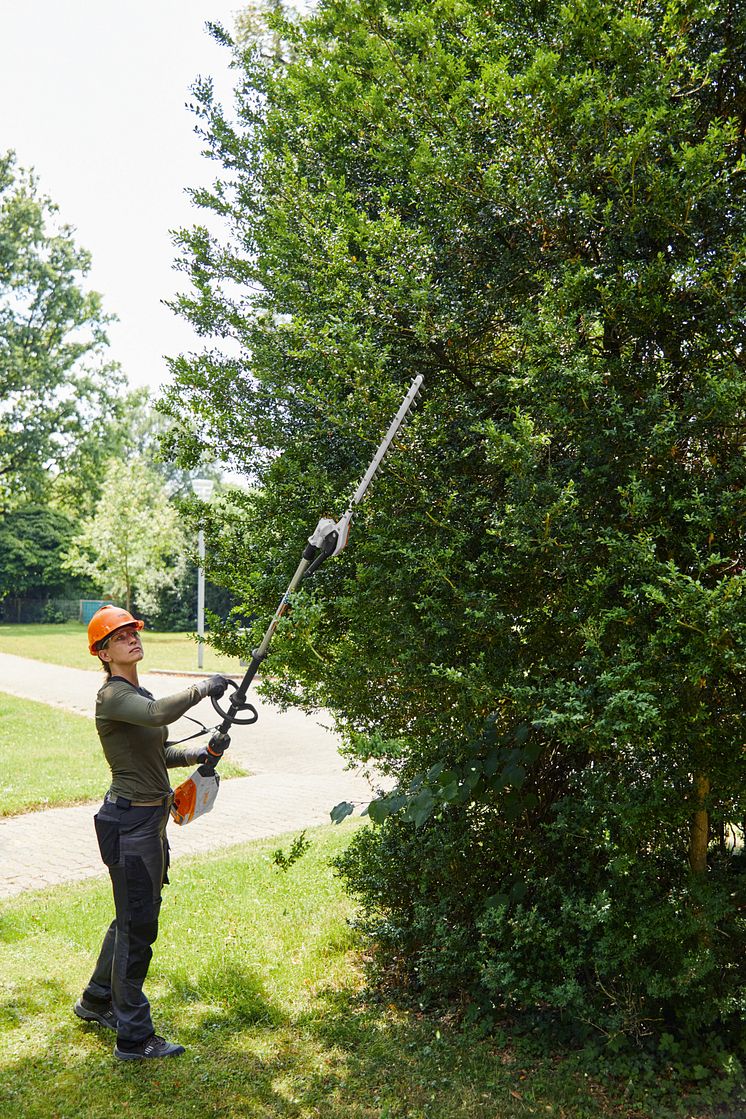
x=132, y=726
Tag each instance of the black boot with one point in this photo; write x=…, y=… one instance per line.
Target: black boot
x=152, y=1046
x=102, y=1013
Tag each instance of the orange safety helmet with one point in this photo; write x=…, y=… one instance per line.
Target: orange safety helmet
x=105, y=621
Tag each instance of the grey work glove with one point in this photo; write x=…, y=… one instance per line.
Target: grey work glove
x=214, y=687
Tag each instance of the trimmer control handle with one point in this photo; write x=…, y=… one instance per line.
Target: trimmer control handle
x=232, y=714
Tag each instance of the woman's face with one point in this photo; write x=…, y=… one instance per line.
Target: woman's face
x=123, y=647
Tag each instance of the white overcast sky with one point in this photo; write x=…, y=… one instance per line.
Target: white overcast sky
x=93, y=96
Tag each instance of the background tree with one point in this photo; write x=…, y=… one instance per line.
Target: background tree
x=55, y=382
x=137, y=428
x=132, y=547
x=538, y=629
x=33, y=543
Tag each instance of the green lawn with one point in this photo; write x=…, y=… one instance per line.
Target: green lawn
x=50, y=757
x=258, y=974
x=67, y=644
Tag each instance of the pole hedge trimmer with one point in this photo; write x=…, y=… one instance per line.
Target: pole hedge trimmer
x=197, y=794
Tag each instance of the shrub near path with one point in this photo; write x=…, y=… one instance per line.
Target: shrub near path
x=258, y=973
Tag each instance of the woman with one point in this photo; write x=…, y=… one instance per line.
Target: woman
x=131, y=828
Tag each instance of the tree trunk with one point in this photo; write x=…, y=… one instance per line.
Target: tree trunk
x=700, y=827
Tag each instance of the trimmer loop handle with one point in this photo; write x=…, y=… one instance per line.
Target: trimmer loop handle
x=231, y=715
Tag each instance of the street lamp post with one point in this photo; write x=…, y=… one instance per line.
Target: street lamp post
x=203, y=488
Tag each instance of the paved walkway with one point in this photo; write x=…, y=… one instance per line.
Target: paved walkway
x=297, y=777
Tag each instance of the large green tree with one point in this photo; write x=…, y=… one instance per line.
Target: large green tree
x=538, y=628
x=33, y=543
x=132, y=546
x=56, y=384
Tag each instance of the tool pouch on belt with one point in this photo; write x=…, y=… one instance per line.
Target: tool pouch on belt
x=196, y=795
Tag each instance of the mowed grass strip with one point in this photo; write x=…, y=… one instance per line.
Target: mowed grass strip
x=257, y=972
x=50, y=758
x=67, y=645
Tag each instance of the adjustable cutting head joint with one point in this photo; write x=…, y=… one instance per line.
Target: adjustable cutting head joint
x=328, y=539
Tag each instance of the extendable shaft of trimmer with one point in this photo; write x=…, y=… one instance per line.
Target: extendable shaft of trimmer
x=329, y=539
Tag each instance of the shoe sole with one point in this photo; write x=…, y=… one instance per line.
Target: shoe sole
x=92, y=1016
x=123, y=1055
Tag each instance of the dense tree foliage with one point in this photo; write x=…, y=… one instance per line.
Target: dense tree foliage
x=538, y=628
x=33, y=543
x=55, y=383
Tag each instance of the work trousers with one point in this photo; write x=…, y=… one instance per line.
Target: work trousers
x=134, y=846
